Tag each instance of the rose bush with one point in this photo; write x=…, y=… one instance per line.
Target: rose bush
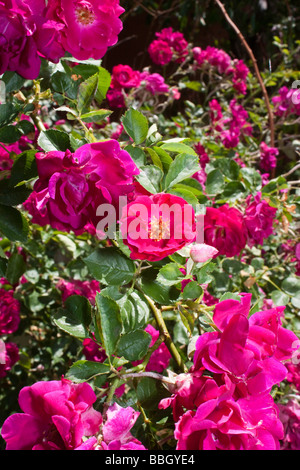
x=149, y=235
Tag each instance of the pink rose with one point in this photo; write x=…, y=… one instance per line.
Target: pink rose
x=87, y=289
x=123, y=76
x=156, y=226
x=200, y=253
x=259, y=217
x=88, y=27
x=155, y=83
x=290, y=418
x=268, y=157
x=160, y=52
x=224, y=229
x=57, y=415
x=18, y=51
x=9, y=312
x=8, y=357
x=72, y=186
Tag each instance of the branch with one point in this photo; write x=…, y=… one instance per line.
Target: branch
x=257, y=72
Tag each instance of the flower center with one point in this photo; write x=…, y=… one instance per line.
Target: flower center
x=84, y=13
x=159, y=229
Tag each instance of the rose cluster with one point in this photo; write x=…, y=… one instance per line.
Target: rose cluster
x=287, y=102
x=59, y=415
x=222, y=62
x=9, y=323
x=229, y=130
x=33, y=29
x=225, y=401
x=229, y=230
x=169, y=46
x=71, y=186
x=125, y=80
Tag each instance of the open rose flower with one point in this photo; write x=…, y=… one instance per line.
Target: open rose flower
x=87, y=289
x=89, y=27
x=156, y=226
x=18, y=50
x=57, y=415
x=71, y=187
x=9, y=356
x=225, y=230
x=9, y=312
x=259, y=217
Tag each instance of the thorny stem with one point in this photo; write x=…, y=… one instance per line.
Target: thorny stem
x=164, y=331
x=257, y=72
x=153, y=375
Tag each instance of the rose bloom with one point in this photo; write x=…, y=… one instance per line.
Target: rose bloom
x=87, y=289
x=9, y=359
x=156, y=226
x=9, y=312
x=57, y=415
x=290, y=418
x=123, y=76
x=259, y=217
x=89, y=27
x=18, y=50
x=224, y=229
x=210, y=415
x=160, y=52
x=115, y=432
x=72, y=186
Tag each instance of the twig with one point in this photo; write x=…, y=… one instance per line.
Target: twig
x=257, y=72
x=164, y=331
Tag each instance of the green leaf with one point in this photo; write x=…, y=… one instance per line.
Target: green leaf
x=134, y=345
x=110, y=267
x=134, y=311
x=8, y=113
x=279, y=298
x=136, y=125
x=192, y=290
x=10, y=134
x=291, y=285
x=183, y=166
x=64, y=84
x=150, y=178
x=96, y=116
x=169, y=275
x=13, y=196
x=214, y=182
x=13, y=224
x=53, y=139
x=137, y=155
x=16, y=267
x=86, y=92
x=24, y=168
x=75, y=317
x=178, y=147
x=82, y=371
x=109, y=322
x=103, y=84
x=13, y=81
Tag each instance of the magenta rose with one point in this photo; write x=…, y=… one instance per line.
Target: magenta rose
x=18, y=50
x=8, y=357
x=72, y=186
x=225, y=230
x=259, y=218
x=156, y=226
x=123, y=76
x=57, y=415
x=87, y=289
x=160, y=52
x=9, y=312
x=88, y=27
x=116, y=431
